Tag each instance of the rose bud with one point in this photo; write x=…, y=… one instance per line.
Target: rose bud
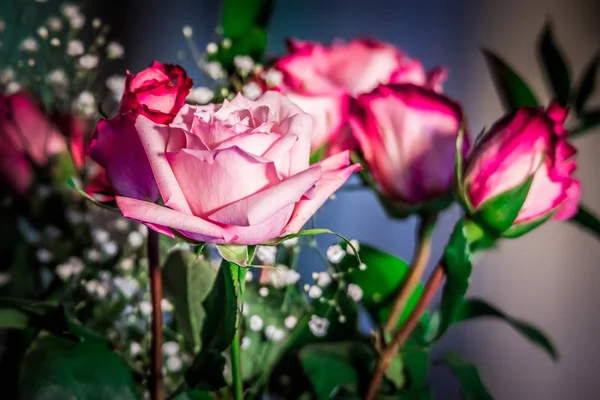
x=158, y=92
x=26, y=135
x=521, y=174
x=322, y=79
x=407, y=135
x=236, y=173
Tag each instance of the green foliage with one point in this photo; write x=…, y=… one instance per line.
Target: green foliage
x=379, y=281
x=555, y=68
x=331, y=366
x=587, y=220
x=511, y=88
x=237, y=254
x=477, y=308
x=499, y=212
x=470, y=382
x=61, y=369
x=188, y=279
x=587, y=84
x=588, y=120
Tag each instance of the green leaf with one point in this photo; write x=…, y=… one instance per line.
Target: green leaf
x=500, y=211
x=194, y=395
x=55, y=368
x=555, y=67
x=241, y=16
x=459, y=167
x=206, y=372
x=306, y=232
x=587, y=85
x=331, y=366
x=477, y=308
x=589, y=120
x=237, y=254
x=188, y=279
x=395, y=372
x=318, y=154
x=416, y=364
x=513, y=91
x=11, y=318
x=587, y=220
x=108, y=206
x=379, y=280
x=470, y=382
x=524, y=227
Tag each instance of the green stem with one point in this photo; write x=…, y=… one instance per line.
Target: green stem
x=236, y=367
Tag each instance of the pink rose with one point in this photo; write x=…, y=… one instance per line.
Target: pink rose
x=528, y=143
x=321, y=80
x=158, y=92
x=26, y=135
x=232, y=173
x=76, y=129
x=117, y=148
x=407, y=135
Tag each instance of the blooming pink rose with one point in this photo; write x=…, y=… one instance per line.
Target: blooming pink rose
x=26, y=135
x=321, y=80
x=232, y=173
x=530, y=141
x=158, y=92
x=407, y=135
x=117, y=148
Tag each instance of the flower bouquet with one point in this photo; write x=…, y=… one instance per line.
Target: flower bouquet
x=152, y=229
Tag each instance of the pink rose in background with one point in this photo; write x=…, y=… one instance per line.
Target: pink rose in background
x=158, y=92
x=76, y=129
x=322, y=80
x=407, y=135
x=529, y=141
x=232, y=173
x=26, y=135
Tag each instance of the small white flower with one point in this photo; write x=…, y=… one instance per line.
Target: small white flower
x=251, y=91
x=88, y=61
x=282, y=276
x=274, y=333
x=127, y=286
x=75, y=48
x=85, y=103
x=7, y=75
x=2, y=25
x=166, y=305
x=323, y=279
x=318, y=326
x=74, y=216
x=110, y=248
x=244, y=64
x=263, y=291
x=291, y=242
x=43, y=32
x=100, y=236
x=245, y=343
x=245, y=309
x=135, y=349
x=290, y=321
x=315, y=292
x=362, y=266
x=121, y=224
x=135, y=239
x=212, y=48
x=4, y=276
x=355, y=292
x=44, y=255
x=115, y=50
x=55, y=42
x=93, y=255
x=174, y=364
x=226, y=43
x=29, y=45
x=214, y=70
x=335, y=253
x=143, y=229
x=31, y=62
x=170, y=348
x=201, y=95
x=116, y=85
x=73, y=266
x=187, y=31
x=58, y=78
x=266, y=254
x=249, y=276
x=13, y=88
x=145, y=308
x=256, y=323
x=354, y=243
x=69, y=10
x=96, y=23
x=77, y=21
x=273, y=77
x=55, y=24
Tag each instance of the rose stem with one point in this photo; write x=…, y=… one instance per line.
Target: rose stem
x=156, y=379
x=388, y=353
x=423, y=250
x=236, y=366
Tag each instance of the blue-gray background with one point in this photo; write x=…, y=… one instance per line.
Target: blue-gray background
x=552, y=276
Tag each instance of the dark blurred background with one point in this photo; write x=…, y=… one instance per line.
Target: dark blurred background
x=551, y=277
